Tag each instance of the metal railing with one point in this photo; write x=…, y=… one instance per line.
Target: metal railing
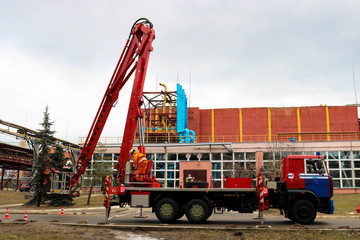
x=282, y=137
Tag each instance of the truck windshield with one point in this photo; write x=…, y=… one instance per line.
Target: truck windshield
x=315, y=166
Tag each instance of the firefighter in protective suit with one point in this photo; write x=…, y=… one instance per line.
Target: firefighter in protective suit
x=139, y=163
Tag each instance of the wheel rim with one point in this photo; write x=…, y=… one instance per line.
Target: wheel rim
x=166, y=209
x=197, y=211
x=304, y=211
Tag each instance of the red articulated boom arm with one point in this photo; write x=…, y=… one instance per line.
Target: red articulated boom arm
x=137, y=46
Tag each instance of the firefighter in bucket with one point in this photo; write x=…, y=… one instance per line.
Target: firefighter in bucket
x=139, y=163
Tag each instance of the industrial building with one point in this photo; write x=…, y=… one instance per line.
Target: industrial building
x=237, y=141
x=242, y=141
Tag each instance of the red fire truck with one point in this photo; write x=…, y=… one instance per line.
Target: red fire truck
x=305, y=186
x=304, y=189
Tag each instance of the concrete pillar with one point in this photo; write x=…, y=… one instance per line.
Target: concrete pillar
x=259, y=161
x=17, y=180
x=2, y=179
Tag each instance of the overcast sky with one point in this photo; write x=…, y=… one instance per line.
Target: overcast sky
x=240, y=54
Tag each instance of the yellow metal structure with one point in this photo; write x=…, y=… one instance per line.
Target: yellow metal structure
x=299, y=123
x=160, y=115
x=269, y=123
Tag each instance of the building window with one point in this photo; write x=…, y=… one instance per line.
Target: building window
x=160, y=156
x=334, y=173
x=356, y=154
x=150, y=156
x=250, y=166
x=356, y=164
x=336, y=183
x=268, y=156
x=97, y=156
x=160, y=165
x=182, y=157
x=333, y=164
x=216, y=175
x=227, y=156
x=345, y=164
x=346, y=173
x=228, y=166
x=333, y=155
x=172, y=156
x=160, y=174
x=357, y=183
x=345, y=155
x=228, y=174
x=170, y=183
x=216, y=165
x=250, y=156
x=239, y=156
x=205, y=156
x=170, y=175
x=170, y=165
x=347, y=183
x=216, y=156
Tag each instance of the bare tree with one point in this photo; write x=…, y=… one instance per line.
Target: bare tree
x=99, y=170
x=278, y=151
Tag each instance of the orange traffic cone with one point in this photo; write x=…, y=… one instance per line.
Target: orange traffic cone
x=25, y=217
x=62, y=211
x=7, y=214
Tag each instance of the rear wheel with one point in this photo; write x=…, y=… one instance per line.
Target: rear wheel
x=197, y=211
x=210, y=213
x=181, y=213
x=167, y=210
x=303, y=212
x=288, y=214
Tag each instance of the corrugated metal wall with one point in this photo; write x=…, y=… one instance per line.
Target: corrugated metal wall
x=319, y=123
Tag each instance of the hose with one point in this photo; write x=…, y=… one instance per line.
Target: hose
x=144, y=20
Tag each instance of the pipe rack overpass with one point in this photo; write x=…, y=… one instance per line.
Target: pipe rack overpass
x=20, y=158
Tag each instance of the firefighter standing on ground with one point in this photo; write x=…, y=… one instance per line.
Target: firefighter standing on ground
x=140, y=164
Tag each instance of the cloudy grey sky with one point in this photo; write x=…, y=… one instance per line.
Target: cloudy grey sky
x=241, y=54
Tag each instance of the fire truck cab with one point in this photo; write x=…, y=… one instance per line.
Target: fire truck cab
x=308, y=187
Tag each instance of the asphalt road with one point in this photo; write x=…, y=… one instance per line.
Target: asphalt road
x=130, y=217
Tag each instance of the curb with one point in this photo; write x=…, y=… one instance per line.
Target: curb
x=169, y=227
x=75, y=211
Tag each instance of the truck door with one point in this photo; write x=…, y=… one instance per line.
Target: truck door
x=316, y=177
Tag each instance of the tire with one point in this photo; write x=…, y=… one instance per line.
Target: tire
x=288, y=215
x=181, y=213
x=210, y=213
x=303, y=212
x=167, y=210
x=197, y=211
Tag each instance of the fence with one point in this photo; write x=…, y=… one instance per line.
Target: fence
x=281, y=137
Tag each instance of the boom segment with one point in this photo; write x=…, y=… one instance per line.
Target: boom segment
x=138, y=47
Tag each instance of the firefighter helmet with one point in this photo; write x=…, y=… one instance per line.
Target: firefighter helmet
x=132, y=151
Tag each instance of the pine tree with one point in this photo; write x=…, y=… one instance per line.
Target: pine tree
x=40, y=183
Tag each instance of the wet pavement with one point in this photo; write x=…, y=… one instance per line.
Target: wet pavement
x=130, y=217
